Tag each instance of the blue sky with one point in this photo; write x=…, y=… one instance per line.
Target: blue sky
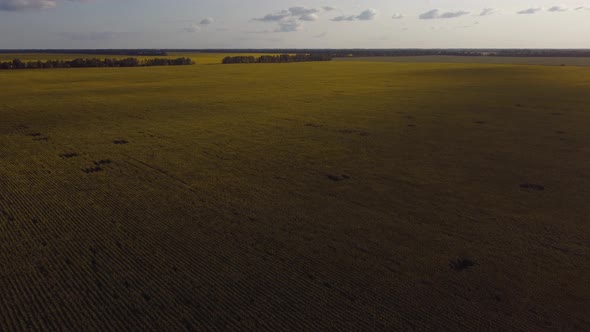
x=297, y=24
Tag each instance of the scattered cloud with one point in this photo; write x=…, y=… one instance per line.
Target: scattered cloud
x=557, y=9
x=397, y=16
x=18, y=5
x=309, y=17
x=328, y=8
x=22, y=5
x=529, y=11
x=437, y=14
x=290, y=20
x=283, y=14
x=453, y=14
x=302, y=11
x=207, y=21
x=429, y=15
x=582, y=8
x=367, y=15
x=193, y=28
x=487, y=12
x=344, y=18
x=288, y=26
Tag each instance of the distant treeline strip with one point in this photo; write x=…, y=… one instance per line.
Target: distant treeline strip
x=282, y=58
x=94, y=63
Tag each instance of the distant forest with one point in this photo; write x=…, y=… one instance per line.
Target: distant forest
x=93, y=63
x=333, y=52
x=282, y=58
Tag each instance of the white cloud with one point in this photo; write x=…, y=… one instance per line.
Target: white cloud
x=487, y=12
x=453, y=14
x=288, y=26
x=207, y=21
x=367, y=15
x=557, y=9
x=283, y=14
x=344, y=18
x=309, y=17
x=300, y=11
x=14, y=5
x=193, y=28
x=437, y=14
x=20, y=5
x=397, y=16
x=429, y=15
x=290, y=20
x=529, y=11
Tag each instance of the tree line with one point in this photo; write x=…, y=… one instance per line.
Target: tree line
x=282, y=58
x=94, y=63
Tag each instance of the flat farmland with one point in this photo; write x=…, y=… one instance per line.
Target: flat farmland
x=307, y=196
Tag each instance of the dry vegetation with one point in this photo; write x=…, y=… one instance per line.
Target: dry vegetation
x=324, y=196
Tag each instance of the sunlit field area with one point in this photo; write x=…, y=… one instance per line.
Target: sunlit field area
x=337, y=195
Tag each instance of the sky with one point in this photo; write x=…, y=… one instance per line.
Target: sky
x=200, y=24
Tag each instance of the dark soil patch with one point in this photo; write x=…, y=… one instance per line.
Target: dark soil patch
x=120, y=141
x=353, y=131
x=337, y=178
x=44, y=138
x=461, y=264
x=69, y=155
x=519, y=105
x=412, y=125
x=480, y=122
x=7, y=215
x=41, y=269
x=146, y=297
x=34, y=134
x=560, y=132
x=102, y=162
x=532, y=187
x=313, y=125
x=91, y=170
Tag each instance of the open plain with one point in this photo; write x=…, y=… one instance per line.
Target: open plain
x=307, y=196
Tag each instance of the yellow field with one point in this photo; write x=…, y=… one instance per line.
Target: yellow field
x=308, y=196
